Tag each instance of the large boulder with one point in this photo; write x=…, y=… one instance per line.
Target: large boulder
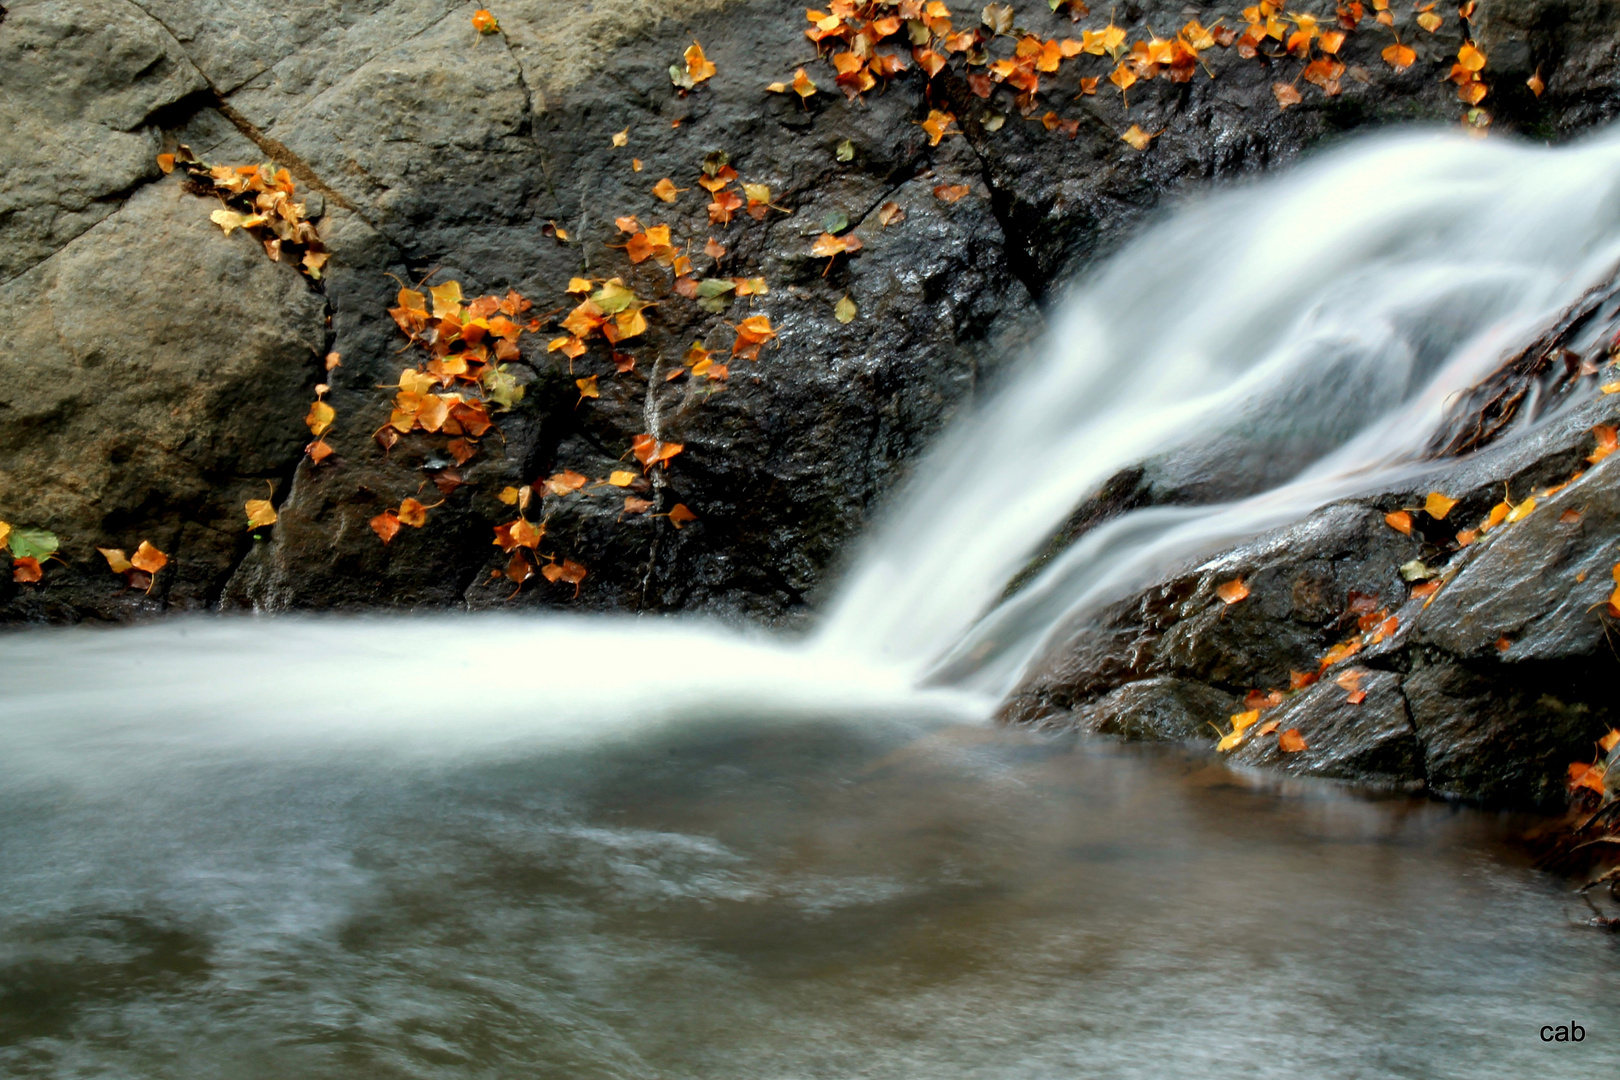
x=431, y=149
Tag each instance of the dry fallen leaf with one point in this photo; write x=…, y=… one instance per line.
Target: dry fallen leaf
x=1400, y=521
x=148, y=558
x=844, y=310
x=1232, y=591
x=260, y=513
x=951, y=192
x=1286, y=94
x=1400, y=57
x=679, y=515
x=116, y=562
x=1138, y=138
x=1290, y=741
x=1438, y=506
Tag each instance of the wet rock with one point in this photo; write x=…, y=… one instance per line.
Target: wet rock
x=1486, y=690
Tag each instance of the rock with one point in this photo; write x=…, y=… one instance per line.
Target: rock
x=155, y=378
x=86, y=83
x=1486, y=692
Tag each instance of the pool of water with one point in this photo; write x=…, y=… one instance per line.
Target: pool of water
x=824, y=899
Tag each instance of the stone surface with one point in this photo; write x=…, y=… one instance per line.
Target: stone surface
x=84, y=86
x=430, y=148
x=1486, y=692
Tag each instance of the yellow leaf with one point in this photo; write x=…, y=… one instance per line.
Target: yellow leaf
x=666, y=190
x=844, y=310
x=446, y=299
x=1138, y=138
x=622, y=138
x=621, y=478
x=698, y=67
x=1438, y=506
x=259, y=513
x=587, y=387
x=227, y=220
x=509, y=496
x=5, y=533
x=1523, y=510
x=320, y=418
x=116, y=561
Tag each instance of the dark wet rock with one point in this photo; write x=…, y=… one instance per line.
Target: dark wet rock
x=1488, y=692
x=427, y=147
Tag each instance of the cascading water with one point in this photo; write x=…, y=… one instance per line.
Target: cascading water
x=451, y=846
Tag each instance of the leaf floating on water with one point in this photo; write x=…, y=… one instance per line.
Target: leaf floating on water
x=1232, y=591
x=1291, y=741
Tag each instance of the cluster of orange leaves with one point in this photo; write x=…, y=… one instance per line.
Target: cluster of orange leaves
x=138, y=570
x=259, y=199
x=851, y=31
x=468, y=348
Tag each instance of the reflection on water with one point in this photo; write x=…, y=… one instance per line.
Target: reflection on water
x=817, y=901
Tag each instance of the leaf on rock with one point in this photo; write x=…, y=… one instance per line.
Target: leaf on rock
x=1291, y=741
x=260, y=513
x=1232, y=591
x=844, y=310
x=33, y=543
x=485, y=23
x=116, y=560
x=148, y=558
x=1400, y=57
x=1138, y=138
x=1400, y=521
x=1438, y=506
x=679, y=515
x=26, y=570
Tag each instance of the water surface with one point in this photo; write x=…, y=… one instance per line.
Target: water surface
x=830, y=899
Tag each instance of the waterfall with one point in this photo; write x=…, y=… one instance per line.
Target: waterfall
x=1284, y=345
x=1301, y=337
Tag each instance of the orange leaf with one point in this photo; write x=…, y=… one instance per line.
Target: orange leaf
x=665, y=189
x=1607, y=442
x=1286, y=94
x=565, y=483
x=698, y=67
x=518, y=568
x=950, y=192
x=484, y=22
x=633, y=505
x=1610, y=741
x=679, y=515
x=1400, y=521
x=148, y=558
x=1232, y=591
x=1438, y=506
x=26, y=570
x=938, y=125
x=1470, y=57
x=1268, y=727
x=1582, y=775
x=1535, y=84
x=1138, y=138
x=1400, y=57
x=1299, y=680
x=1290, y=741
x=385, y=525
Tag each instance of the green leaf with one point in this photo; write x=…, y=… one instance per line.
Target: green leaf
x=33, y=543
x=613, y=297
x=502, y=386
x=844, y=310
x=846, y=151
x=714, y=294
x=835, y=222
x=678, y=76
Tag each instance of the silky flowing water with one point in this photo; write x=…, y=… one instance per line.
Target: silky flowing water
x=571, y=847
